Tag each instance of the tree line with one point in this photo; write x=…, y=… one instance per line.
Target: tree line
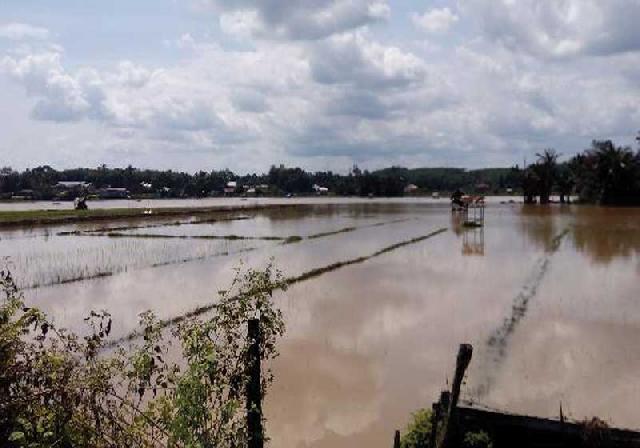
x=604, y=173
x=40, y=182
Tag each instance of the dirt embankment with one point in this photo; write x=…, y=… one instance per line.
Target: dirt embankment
x=31, y=218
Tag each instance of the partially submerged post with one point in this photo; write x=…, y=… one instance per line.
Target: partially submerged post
x=254, y=394
x=465, y=352
x=447, y=438
x=435, y=418
x=396, y=439
x=451, y=422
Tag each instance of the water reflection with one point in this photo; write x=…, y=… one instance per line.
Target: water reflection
x=607, y=233
x=368, y=344
x=602, y=233
x=473, y=242
x=472, y=237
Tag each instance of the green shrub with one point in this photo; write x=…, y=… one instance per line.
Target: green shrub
x=65, y=390
x=418, y=431
x=478, y=439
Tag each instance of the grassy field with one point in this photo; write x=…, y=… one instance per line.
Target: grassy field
x=46, y=217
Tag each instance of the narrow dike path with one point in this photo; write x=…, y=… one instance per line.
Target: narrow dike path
x=498, y=341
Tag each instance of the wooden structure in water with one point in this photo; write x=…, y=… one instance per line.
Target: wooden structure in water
x=451, y=421
x=472, y=210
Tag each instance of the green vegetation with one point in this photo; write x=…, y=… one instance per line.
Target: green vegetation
x=418, y=430
x=478, y=439
x=46, y=217
x=605, y=174
x=64, y=390
x=418, y=433
x=40, y=182
x=54, y=216
x=292, y=239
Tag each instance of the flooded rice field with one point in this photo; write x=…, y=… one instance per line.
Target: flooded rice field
x=385, y=292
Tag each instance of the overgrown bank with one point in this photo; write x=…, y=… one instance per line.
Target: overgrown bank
x=61, y=389
x=53, y=217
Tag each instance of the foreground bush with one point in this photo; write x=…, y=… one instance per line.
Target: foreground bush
x=418, y=430
x=61, y=389
x=418, y=433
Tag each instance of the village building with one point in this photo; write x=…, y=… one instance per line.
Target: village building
x=320, y=190
x=410, y=189
x=26, y=194
x=231, y=187
x=72, y=189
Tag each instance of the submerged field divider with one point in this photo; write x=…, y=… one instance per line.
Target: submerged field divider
x=116, y=234
x=291, y=281
x=154, y=225
x=498, y=341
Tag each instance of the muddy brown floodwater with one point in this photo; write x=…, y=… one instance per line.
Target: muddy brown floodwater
x=549, y=297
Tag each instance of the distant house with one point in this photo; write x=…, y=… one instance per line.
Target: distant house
x=146, y=185
x=255, y=190
x=113, y=193
x=231, y=187
x=72, y=189
x=482, y=188
x=320, y=190
x=72, y=186
x=25, y=194
x=410, y=189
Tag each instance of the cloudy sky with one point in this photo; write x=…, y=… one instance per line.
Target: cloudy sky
x=323, y=84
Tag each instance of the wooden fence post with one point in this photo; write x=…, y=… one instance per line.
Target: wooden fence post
x=396, y=439
x=435, y=420
x=254, y=394
x=465, y=353
x=450, y=429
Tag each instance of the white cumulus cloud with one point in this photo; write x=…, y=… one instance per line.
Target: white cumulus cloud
x=20, y=31
x=315, y=84
x=435, y=20
x=562, y=28
x=299, y=20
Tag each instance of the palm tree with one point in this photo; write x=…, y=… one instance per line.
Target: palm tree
x=530, y=184
x=546, y=168
x=617, y=171
x=564, y=182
